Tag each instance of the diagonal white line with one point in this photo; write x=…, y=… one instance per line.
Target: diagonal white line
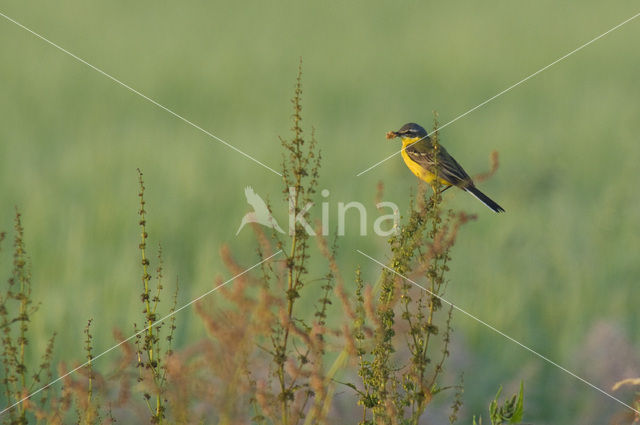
x=109, y=76
x=6, y=409
x=546, y=359
x=507, y=89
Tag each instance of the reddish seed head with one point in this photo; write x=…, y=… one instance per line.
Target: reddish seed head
x=391, y=135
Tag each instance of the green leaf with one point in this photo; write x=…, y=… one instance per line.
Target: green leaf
x=494, y=412
x=518, y=412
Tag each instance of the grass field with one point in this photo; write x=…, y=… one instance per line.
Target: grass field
x=558, y=271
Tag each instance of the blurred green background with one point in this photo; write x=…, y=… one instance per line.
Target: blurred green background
x=559, y=271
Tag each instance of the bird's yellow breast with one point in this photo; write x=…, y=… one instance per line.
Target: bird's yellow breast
x=417, y=169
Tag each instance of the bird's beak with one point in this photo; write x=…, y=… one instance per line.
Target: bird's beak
x=392, y=135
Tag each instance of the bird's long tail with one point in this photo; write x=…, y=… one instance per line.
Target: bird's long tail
x=484, y=199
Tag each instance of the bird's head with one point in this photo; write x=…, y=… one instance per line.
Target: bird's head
x=410, y=131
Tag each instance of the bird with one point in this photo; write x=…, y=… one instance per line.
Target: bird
x=260, y=213
x=426, y=160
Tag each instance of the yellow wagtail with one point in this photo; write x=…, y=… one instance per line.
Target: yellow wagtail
x=425, y=162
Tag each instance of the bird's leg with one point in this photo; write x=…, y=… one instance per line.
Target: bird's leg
x=435, y=189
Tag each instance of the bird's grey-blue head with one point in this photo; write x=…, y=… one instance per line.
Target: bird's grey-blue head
x=410, y=130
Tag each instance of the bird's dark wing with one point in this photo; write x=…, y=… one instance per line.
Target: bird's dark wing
x=448, y=168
